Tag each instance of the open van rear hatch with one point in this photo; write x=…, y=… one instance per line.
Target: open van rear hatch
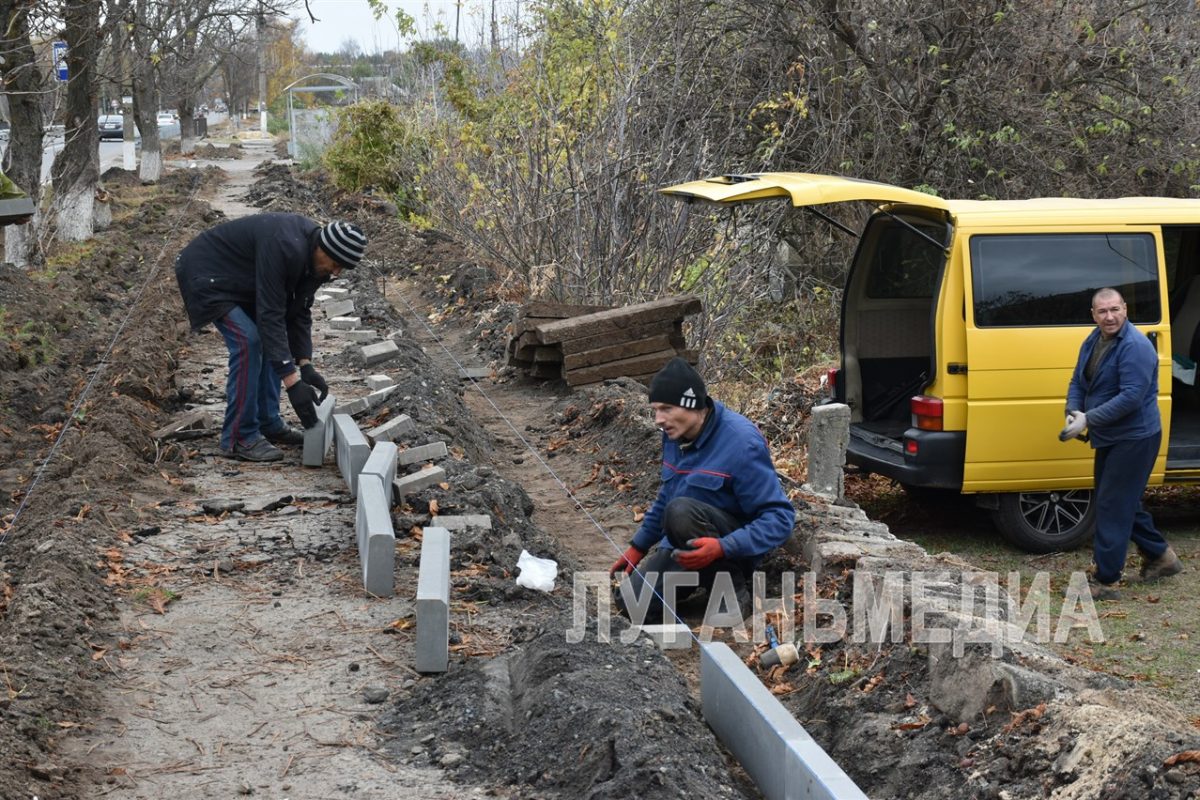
x=802, y=188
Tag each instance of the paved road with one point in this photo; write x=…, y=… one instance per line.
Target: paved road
x=110, y=149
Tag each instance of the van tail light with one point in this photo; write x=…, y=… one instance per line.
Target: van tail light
x=831, y=379
x=926, y=413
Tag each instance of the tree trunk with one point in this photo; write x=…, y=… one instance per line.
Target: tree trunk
x=76, y=169
x=187, y=125
x=24, y=159
x=145, y=104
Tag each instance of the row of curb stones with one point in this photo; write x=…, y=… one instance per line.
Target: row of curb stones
x=368, y=463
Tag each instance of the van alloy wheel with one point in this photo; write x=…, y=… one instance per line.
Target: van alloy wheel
x=1046, y=522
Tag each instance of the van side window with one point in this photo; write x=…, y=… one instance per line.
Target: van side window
x=904, y=265
x=1049, y=279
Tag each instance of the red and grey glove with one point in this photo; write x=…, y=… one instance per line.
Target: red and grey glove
x=704, y=551
x=628, y=560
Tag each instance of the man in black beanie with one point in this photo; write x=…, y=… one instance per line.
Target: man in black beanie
x=720, y=508
x=254, y=278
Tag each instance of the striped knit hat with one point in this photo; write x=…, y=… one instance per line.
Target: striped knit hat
x=678, y=384
x=344, y=242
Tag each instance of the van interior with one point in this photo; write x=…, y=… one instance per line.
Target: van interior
x=1182, y=248
x=888, y=325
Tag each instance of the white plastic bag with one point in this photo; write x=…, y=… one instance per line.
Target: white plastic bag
x=536, y=573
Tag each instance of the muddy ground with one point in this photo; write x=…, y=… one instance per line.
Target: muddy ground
x=176, y=624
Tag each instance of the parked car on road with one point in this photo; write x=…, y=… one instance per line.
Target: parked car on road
x=111, y=126
x=165, y=119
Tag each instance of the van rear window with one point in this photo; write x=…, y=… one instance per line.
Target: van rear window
x=1049, y=279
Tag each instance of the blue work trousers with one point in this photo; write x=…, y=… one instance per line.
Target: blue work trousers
x=1122, y=470
x=252, y=387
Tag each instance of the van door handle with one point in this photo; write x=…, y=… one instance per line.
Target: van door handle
x=956, y=369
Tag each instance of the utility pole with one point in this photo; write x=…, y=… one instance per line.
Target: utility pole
x=457, y=12
x=260, y=29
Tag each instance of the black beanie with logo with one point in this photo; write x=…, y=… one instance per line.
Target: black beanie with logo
x=678, y=384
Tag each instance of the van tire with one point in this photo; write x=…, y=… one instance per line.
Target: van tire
x=1046, y=522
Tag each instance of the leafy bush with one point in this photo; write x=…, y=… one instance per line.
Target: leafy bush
x=374, y=148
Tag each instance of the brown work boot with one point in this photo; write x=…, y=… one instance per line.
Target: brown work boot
x=1164, y=566
x=1103, y=591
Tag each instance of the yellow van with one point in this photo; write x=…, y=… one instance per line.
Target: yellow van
x=961, y=324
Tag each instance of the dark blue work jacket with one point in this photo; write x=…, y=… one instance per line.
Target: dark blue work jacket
x=262, y=264
x=1121, y=399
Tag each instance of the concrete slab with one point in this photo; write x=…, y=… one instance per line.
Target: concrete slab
x=336, y=292
x=376, y=398
x=433, y=602
x=352, y=449
x=474, y=373
x=378, y=353
x=352, y=407
x=777, y=753
x=318, y=438
x=376, y=539
x=360, y=336
x=411, y=484
x=377, y=382
x=481, y=522
x=339, y=308
x=388, y=431
x=344, y=323
x=669, y=637
x=381, y=463
x=426, y=452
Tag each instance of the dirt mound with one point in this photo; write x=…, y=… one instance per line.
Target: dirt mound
x=552, y=719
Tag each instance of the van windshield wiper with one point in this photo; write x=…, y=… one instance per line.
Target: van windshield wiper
x=943, y=246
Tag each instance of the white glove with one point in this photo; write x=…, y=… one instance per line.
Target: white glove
x=1076, y=422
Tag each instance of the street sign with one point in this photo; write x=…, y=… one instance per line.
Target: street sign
x=60, y=60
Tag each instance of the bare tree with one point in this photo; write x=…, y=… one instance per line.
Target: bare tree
x=76, y=169
x=24, y=85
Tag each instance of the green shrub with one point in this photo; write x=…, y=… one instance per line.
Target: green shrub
x=373, y=147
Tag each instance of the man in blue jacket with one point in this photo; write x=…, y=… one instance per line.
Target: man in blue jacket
x=1113, y=394
x=720, y=508
x=254, y=278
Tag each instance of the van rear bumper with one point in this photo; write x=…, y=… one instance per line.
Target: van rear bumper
x=938, y=463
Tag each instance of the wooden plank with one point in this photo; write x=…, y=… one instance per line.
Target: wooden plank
x=638, y=365
x=191, y=425
x=602, y=355
x=546, y=308
x=547, y=354
x=648, y=331
x=669, y=308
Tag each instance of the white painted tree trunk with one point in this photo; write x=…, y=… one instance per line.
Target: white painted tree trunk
x=187, y=145
x=73, y=211
x=18, y=242
x=128, y=156
x=151, y=169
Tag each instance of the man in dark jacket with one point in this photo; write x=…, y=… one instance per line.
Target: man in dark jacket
x=1113, y=394
x=720, y=508
x=254, y=278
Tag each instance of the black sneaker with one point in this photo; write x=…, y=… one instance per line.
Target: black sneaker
x=285, y=435
x=261, y=450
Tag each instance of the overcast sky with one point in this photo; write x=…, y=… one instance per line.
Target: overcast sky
x=341, y=20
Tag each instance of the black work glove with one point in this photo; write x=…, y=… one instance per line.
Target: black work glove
x=304, y=400
x=309, y=375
